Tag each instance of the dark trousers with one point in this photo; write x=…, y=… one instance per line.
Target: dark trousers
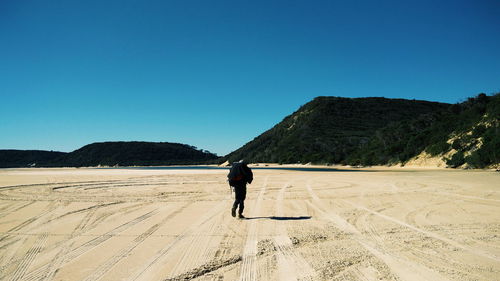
x=239, y=198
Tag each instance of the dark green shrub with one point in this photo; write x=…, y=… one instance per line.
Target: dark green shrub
x=478, y=131
x=457, y=144
x=438, y=148
x=456, y=160
x=474, y=160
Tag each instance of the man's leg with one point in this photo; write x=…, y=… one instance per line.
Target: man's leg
x=233, y=210
x=242, y=206
x=243, y=195
x=237, y=200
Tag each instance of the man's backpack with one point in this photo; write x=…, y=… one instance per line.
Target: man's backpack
x=236, y=173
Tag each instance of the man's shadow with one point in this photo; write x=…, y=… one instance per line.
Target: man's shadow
x=280, y=218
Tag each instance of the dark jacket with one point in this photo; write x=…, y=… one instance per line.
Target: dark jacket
x=239, y=174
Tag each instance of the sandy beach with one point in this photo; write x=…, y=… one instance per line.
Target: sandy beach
x=131, y=224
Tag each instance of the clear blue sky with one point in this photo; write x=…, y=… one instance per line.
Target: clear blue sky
x=215, y=74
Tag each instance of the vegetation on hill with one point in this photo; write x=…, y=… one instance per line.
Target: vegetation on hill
x=110, y=154
x=330, y=129
x=138, y=154
x=465, y=134
x=27, y=158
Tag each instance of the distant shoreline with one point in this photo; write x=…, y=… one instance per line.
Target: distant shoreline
x=266, y=166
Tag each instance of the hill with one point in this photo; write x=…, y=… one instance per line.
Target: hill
x=327, y=130
x=12, y=158
x=110, y=154
x=330, y=129
x=464, y=135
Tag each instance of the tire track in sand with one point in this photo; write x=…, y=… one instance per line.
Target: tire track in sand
x=33, y=220
x=29, y=257
x=291, y=265
x=124, y=252
x=66, y=247
x=14, y=208
x=474, y=251
x=400, y=266
x=12, y=239
x=82, y=224
x=147, y=266
x=85, y=227
x=198, y=241
x=248, y=270
x=82, y=249
x=469, y=197
x=100, y=239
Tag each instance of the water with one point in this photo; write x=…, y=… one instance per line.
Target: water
x=302, y=169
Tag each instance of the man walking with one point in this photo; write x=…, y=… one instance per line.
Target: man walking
x=238, y=177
